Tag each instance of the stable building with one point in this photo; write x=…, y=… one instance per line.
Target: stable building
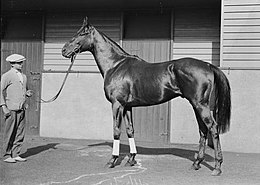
x=225, y=33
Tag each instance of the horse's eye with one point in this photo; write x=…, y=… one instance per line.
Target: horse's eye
x=85, y=32
x=82, y=33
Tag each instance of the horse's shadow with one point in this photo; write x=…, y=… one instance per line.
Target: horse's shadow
x=38, y=149
x=183, y=153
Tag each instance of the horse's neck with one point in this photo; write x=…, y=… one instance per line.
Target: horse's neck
x=106, y=53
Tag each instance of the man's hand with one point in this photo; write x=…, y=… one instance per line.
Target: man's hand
x=29, y=93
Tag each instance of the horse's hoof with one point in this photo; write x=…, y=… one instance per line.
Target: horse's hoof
x=110, y=165
x=130, y=163
x=216, y=172
x=195, y=167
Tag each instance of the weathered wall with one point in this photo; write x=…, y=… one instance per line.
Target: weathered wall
x=244, y=134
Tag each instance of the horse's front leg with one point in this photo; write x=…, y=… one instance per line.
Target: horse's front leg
x=117, y=120
x=130, y=133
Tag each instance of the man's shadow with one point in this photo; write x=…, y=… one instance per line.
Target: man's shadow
x=38, y=149
x=183, y=153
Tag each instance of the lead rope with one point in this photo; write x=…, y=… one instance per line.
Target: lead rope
x=63, y=83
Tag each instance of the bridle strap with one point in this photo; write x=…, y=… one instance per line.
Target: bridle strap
x=63, y=83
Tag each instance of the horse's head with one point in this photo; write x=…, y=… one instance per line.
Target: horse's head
x=82, y=41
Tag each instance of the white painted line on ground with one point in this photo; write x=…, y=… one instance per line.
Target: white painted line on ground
x=115, y=177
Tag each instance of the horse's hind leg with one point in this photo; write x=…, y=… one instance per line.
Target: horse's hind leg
x=203, y=131
x=217, y=147
x=130, y=133
x=208, y=119
x=117, y=120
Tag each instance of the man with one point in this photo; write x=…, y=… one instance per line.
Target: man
x=12, y=100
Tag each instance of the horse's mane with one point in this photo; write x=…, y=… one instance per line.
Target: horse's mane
x=118, y=48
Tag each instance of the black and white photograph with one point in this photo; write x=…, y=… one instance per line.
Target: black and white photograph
x=130, y=92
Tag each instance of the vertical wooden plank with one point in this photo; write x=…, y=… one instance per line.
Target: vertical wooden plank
x=5, y=66
x=32, y=51
x=194, y=27
x=151, y=123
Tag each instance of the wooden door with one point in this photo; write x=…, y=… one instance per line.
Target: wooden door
x=32, y=68
x=151, y=123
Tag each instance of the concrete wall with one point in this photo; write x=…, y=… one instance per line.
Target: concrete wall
x=244, y=135
x=80, y=112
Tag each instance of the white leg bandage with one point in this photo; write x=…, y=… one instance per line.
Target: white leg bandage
x=116, y=145
x=132, y=146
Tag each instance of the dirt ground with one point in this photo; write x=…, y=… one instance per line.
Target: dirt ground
x=54, y=161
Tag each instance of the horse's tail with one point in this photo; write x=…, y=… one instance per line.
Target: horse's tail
x=222, y=100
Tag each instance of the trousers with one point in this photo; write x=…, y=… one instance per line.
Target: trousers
x=14, y=132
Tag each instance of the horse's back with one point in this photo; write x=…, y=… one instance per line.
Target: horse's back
x=136, y=82
x=191, y=64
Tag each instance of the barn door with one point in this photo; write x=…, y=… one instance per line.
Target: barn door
x=151, y=123
x=32, y=68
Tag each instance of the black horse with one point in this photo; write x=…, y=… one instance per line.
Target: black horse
x=130, y=81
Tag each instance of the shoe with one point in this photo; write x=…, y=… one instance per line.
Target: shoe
x=19, y=159
x=10, y=160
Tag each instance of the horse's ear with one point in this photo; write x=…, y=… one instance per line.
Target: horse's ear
x=85, y=22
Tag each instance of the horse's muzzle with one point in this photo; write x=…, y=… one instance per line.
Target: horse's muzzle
x=65, y=52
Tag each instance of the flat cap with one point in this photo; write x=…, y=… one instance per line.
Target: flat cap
x=15, y=58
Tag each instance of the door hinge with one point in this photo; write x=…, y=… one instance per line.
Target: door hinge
x=35, y=73
x=164, y=134
x=33, y=127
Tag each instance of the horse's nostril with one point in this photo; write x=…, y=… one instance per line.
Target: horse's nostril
x=63, y=50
